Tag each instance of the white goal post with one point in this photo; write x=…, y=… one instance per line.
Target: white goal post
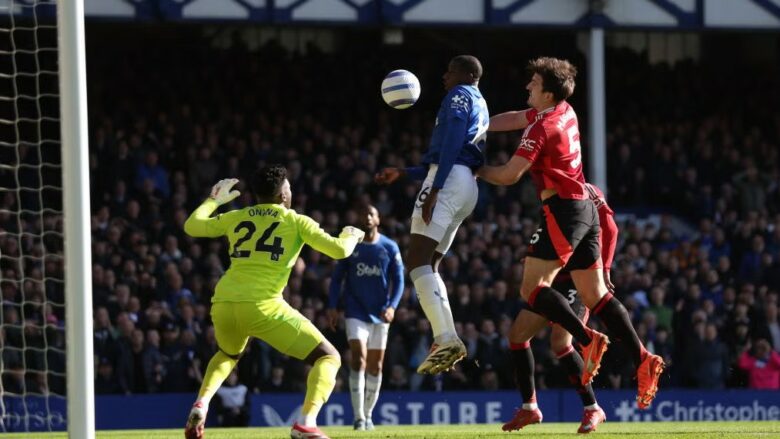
x=76, y=211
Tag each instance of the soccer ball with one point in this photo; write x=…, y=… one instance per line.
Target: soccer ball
x=400, y=89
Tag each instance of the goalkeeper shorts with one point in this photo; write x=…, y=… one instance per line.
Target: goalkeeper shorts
x=273, y=321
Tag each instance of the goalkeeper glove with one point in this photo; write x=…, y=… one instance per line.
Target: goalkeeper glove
x=221, y=192
x=352, y=231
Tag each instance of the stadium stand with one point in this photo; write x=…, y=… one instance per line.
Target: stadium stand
x=161, y=136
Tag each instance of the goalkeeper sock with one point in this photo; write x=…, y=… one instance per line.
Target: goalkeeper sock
x=319, y=385
x=357, y=384
x=551, y=304
x=615, y=317
x=523, y=368
x=572, y=363
x=373, y=383
x=217, y=371
x=449, y=322
x=431, y=298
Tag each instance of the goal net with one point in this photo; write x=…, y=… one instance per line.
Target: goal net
x=32, y=252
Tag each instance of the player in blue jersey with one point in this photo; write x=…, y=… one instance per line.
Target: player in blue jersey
x=372, y=280
x=448, y=195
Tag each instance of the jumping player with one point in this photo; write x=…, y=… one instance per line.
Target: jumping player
x=569, y=234
x=372, y=280
x=448, y=195
x=265, y=240
x=528, y=324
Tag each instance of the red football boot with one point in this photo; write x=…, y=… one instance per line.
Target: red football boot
x=647, y=377
x=522, y=418
x=196, y=422
x=591, y=419
x=302, y=432
x=592, y=354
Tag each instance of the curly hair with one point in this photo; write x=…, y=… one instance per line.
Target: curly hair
x=267, y=182
x=557, y=76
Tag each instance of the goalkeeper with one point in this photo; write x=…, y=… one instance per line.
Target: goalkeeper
x=265, y=240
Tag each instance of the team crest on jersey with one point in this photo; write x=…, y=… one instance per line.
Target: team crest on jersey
x=527, y=144
x=459, y=102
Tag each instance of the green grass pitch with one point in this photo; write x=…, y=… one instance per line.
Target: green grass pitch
x=551, y=430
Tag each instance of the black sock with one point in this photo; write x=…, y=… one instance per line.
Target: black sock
x=551, y=304
x=523, y=368
x=615, y=317
x=572, y=363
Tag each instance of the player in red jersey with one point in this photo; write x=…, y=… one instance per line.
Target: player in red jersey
x=569, y=234
x=529, y=324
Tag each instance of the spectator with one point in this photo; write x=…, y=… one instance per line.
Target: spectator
x=151, y=170
x=663, y=314
x=137, y=351
x=105, y=381
x=277, y=382
x=398, y=379
x=154, y=370
x=770, y=329
x=762, y=366
x=709, y=362
x=232, y=403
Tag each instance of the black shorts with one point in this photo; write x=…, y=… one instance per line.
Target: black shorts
x=569, y=232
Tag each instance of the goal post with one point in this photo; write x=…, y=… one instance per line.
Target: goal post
x=46, y=332
x=76, y=220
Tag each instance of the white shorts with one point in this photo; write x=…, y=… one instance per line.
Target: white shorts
x=455, y=202
x=373, y=335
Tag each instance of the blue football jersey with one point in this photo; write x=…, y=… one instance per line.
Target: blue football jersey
x=372, y=279
x=460, y=131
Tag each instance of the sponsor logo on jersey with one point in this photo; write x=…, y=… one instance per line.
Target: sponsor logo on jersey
x=368, y=270
x=527, y=144
x=459, y=102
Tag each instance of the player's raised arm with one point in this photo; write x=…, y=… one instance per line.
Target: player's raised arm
x=532, y=142
x=506, y=174
x=509, y=121
x=200, y=224
x=336, y=247
x=390, y=175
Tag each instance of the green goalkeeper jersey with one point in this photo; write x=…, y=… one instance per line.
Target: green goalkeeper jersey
x=265, y=240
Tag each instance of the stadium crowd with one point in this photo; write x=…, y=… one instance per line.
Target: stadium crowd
x=693, y=175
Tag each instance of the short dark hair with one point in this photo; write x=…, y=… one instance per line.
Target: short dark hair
x=267, y=182
x=365, y=207
x=557, y=76
x=468, y=64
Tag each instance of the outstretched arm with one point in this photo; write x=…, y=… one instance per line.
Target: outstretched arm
x=389, y=175
x=509, y=121
x=506, y=174
x=337, y=248
x=200, y=224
